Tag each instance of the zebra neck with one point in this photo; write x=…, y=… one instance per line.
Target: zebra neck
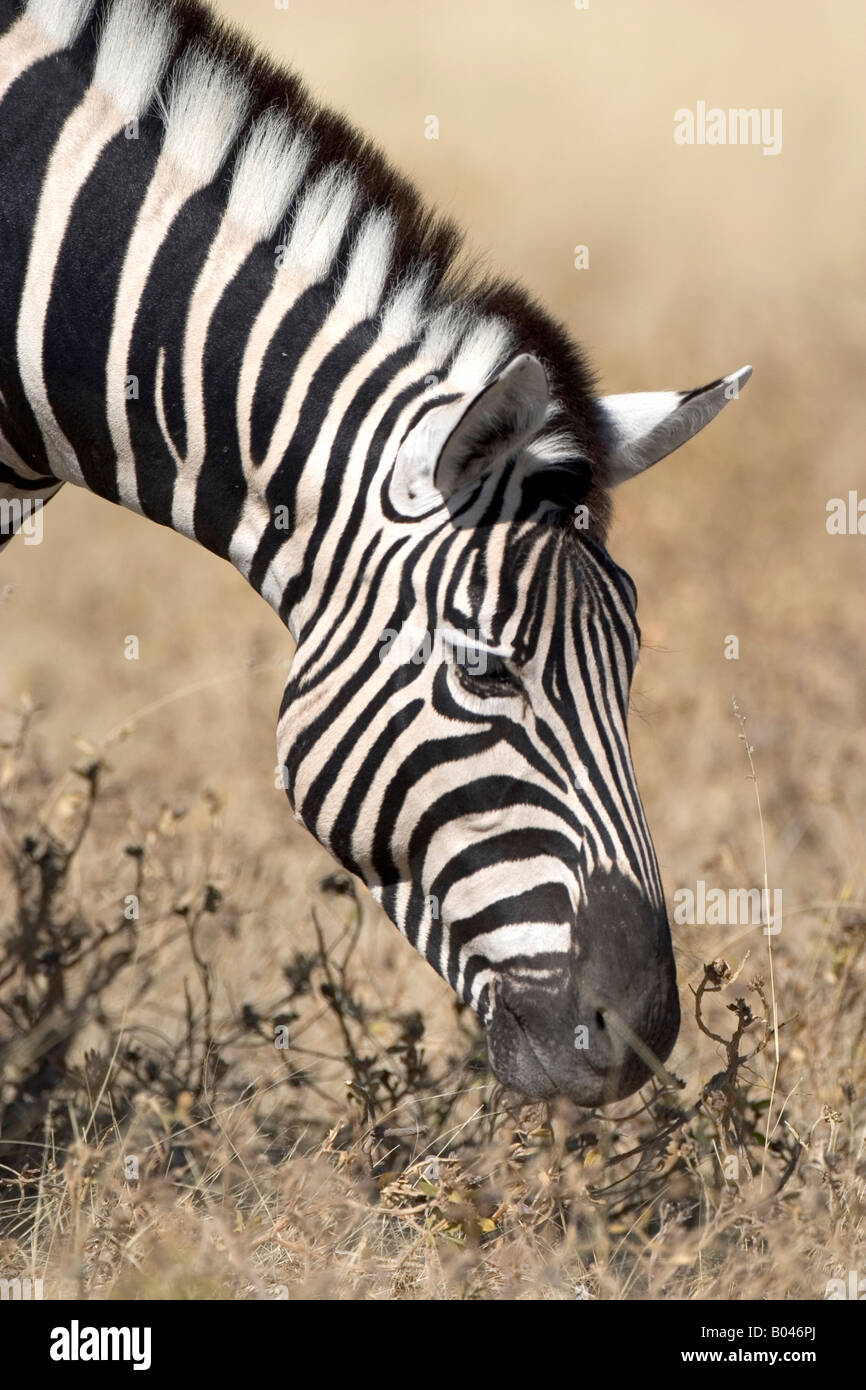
x=178, y=352
x=213, y=326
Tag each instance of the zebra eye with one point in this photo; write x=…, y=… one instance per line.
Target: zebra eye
x=490, y=678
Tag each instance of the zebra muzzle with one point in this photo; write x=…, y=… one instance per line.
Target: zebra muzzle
x=602, y=1022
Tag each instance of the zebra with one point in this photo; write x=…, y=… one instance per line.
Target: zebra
x=222, y=308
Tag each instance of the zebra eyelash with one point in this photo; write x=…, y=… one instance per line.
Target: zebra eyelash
x=498, y=680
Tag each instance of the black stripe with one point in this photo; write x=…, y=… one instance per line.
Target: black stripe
x=32, y=116
x=81, y=306
x=283, y=486
x=160, y=324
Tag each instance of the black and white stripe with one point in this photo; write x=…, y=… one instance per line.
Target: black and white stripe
x=221, y=308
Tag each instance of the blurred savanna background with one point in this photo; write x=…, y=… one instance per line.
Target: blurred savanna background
x=155, y=1143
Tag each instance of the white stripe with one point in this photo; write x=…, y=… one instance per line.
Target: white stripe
x=203, y=113
x=267, y=175
x=134, y=49
x=229, y=249
x=23, y=45
x=62, y=20
x=84, y=136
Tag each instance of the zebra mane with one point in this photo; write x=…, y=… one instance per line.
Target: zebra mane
x=226, y=105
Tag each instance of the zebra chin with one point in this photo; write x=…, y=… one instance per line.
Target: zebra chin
x=595, y=1025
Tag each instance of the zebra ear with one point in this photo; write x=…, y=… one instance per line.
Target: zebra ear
x=495, y=423
x=456, y=444
x=649, y=425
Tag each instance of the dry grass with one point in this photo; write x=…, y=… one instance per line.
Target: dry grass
x=156, y=1142
x=374, y=1157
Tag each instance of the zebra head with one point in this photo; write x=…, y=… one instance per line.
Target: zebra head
x=455, y=729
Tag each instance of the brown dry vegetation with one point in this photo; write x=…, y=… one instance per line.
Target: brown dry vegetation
x=375, y=1157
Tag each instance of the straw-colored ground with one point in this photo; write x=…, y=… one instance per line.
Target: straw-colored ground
x=260, y=1172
